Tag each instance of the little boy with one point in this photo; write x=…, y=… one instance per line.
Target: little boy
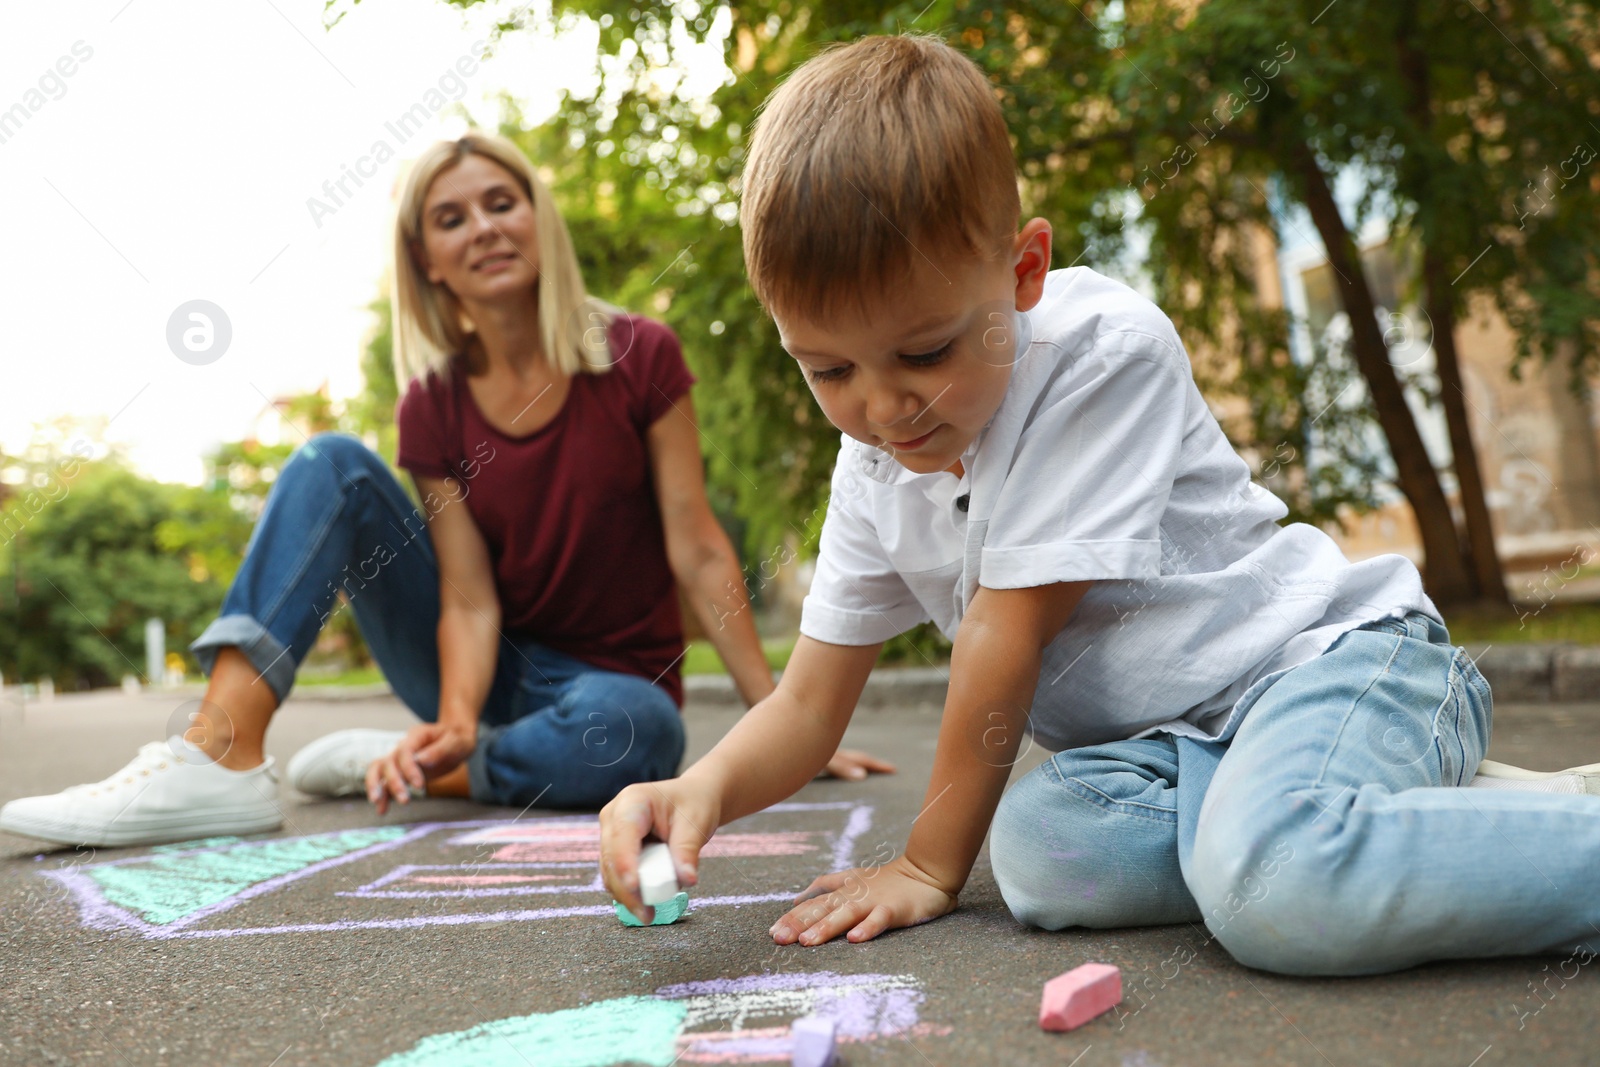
x=1250, y=729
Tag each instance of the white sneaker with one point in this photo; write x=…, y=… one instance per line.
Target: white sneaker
x=1575, y=780
x=169, y=792
x=336, y=765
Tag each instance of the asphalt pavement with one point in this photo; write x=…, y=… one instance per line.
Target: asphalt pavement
x=448, y=932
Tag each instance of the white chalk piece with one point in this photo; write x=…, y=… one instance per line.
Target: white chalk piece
x=813, y=1041
x=658, y=879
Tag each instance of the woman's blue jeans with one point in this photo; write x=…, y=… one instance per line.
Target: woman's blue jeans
x=1327, y=837
x=553, y=730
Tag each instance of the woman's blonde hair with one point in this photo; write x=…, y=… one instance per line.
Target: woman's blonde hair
x=428, y=318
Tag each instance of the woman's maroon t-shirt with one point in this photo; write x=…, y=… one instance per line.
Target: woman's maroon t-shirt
x=569, y=511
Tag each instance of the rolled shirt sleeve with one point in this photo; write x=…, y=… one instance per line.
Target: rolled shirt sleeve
x=857, y=596
x=1094, y=468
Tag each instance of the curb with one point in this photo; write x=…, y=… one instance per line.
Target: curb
x=1531, y=674
x=1517, y=674
x=920, y=687
x=331, y=693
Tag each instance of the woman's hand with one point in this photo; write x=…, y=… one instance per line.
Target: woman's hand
x=428, y=749
x=865, y=901
x=853, y=763
x=680, y=812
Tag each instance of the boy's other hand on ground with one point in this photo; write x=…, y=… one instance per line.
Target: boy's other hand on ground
x=853, y=763
x=862, y=903
x=428, y=749
x=680, y=812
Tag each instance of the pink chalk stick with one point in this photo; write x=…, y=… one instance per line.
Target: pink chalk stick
x=813, y=1041
x=1072, y=999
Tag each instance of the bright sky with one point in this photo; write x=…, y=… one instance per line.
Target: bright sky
x=175, y=163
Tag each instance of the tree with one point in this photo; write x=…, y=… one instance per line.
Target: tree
x=371, y=415
x=1199, y=105
x=1176, y=123
x=107, y=551
x=646, y=177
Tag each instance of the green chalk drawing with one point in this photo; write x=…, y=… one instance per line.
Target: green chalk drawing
x=167, y=886
x=625, y=1030
x=190, y=846
x=670, y=912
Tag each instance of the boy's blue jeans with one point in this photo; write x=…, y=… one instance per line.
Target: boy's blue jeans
x=1327, y=837
x=553, y=729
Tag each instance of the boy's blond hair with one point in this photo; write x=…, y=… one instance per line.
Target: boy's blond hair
x=872, y=154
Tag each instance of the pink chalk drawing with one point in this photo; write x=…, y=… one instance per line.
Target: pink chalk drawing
x=375, y=877
x=717, y=1021
x=569, y=847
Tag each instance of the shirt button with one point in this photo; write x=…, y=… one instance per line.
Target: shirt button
x=962, y=501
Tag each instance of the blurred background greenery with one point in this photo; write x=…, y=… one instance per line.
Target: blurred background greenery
x=1114, y=109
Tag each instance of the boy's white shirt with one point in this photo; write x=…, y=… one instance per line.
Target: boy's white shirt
x=1102, y=462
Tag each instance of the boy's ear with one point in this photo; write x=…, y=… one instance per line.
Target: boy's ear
x=1030, y=254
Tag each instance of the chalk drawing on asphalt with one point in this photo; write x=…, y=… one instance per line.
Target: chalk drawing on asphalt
x=723, y=1020
x=421, y=874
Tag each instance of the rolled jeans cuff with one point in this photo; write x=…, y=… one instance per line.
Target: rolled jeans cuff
x=266, y=653
x=479, y=788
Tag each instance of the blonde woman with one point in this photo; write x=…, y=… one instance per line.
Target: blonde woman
x=528, y=614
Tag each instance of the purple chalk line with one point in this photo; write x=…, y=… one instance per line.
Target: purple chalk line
x=858, y=823
x=768, y=983
x=415, y=921
x=375, y=889
x=372, y=887
x=99, y=913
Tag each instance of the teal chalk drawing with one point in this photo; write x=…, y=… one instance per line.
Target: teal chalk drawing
x=190, y=846
x=626, y=1030
x=742, y=1020
x=666, y=914
x=168, y=886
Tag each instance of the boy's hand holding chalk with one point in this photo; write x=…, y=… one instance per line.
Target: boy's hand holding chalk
x=639, y=873
x=658, y=881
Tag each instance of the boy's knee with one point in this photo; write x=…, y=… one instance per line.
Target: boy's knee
x=1035, y=880
x=1062, y=861
x=1271, y=897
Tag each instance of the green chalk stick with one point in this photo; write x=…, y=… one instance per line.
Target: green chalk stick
x=670, y=912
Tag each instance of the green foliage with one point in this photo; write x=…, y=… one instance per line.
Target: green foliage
x=701, y=656
x=90, y=550
x=1165, y=131
x=107, y=552
x=1573, y=621
x=643, y=182
x=371, y=415
x=206, y=532
x=921, y=646
x=246, y=471
x=646, y=175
